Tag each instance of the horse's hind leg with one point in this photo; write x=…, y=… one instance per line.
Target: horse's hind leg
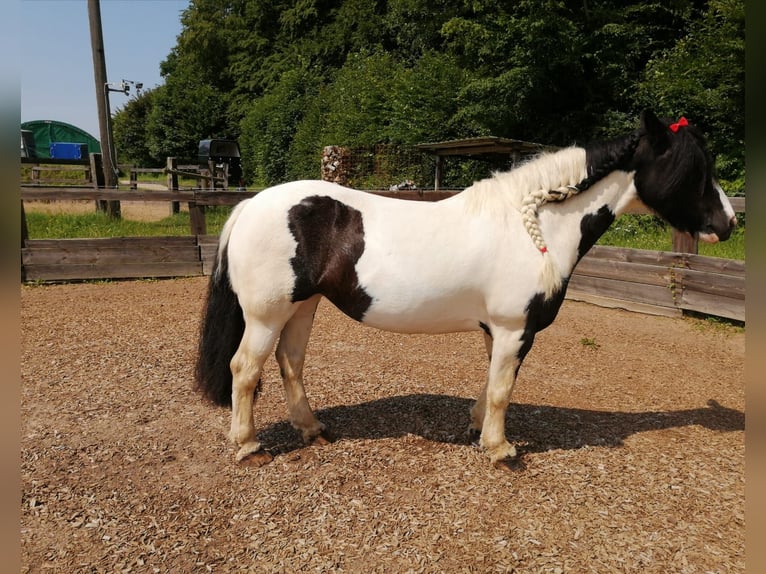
x=291, y=354
x=246, y=368
x=478, y=408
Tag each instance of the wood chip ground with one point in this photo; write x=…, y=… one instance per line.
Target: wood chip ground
x=631, y=430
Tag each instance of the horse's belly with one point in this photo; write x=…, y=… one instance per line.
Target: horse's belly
x=407, y=314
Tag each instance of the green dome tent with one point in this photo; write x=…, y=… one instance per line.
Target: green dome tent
x=47, y=131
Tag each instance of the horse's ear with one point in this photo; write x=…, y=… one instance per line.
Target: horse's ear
x=656, y=131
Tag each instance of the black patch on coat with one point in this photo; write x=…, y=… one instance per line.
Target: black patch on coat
x=330, y=238
x=540, y=314
x=593, y=226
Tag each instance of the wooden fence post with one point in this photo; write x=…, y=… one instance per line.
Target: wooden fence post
x=684, y=243
x=133, y=178
x=97, y=168
x=172, y=167
x=197, y=220
x=202, y=181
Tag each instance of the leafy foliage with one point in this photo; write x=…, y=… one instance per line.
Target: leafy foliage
x=703, y=76
x=130, y=133
x=268, y=130
x=288, y=78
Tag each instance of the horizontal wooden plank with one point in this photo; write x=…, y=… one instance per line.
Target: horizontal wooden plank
x=78, y=168
x=644, y=256
x=55, y=181
x=111, y=257
x=415, y=195
x=208, y=251
x=108, y=255
x=710, y=304
x=121, y=271
x=165, y=241
x=716, y=265
x=44, y=193
x=623, y=271
x=614, y=289
x=208, y=240
x=221, y=197
x=729, y=286
x=611, y=303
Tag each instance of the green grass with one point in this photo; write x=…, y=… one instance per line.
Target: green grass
x=98, y=224
x=649, y=232
x=162, y=179
x=721, y=325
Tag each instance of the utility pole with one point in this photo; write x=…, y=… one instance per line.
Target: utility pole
x=102, y=101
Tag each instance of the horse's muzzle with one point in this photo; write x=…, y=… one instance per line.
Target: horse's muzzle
x=712, y=236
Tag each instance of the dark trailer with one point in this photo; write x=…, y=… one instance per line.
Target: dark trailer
x=221, y=158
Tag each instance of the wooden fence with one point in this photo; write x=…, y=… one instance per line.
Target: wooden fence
x=666, y=283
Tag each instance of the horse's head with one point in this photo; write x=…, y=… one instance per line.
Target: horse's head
x=675, y=177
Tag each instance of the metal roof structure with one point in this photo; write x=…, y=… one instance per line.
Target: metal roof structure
x=483, y=147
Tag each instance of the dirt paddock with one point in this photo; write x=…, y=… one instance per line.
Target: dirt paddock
x=630, y=428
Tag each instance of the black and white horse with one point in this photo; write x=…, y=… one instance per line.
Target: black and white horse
x=495, y=258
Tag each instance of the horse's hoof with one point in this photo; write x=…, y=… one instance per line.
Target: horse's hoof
x=323, y=438
x=473, y=435
x=509, y=463
x=256, y=459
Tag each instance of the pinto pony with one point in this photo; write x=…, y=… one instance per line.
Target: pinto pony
x=499, y=257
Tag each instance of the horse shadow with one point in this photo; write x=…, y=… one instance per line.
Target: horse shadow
x=532, y=428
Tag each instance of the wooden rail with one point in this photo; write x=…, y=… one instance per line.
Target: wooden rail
x=659, y=282
x=666, y=283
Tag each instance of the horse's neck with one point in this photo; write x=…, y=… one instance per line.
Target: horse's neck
x=572, y=227
x=617, y=191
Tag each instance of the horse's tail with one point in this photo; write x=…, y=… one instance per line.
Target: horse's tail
x=222, y=325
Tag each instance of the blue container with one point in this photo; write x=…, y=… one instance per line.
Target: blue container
x=68, y=150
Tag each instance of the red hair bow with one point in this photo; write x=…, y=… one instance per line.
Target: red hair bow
x=679, y=124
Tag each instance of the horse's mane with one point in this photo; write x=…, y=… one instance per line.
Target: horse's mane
x=549, y=177
x=564, y=172
x=504, y=191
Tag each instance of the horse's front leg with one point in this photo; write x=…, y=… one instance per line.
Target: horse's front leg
x=503, y=367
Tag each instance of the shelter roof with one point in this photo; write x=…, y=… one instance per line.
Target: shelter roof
x=484, y=145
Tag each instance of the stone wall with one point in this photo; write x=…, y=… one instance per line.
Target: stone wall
x=336, y=163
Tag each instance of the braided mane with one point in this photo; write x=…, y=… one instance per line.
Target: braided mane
x=548, y=178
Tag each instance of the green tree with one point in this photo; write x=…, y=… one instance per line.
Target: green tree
x=269, y=128
x=130, y=134
x=184, y=111
x=290, y=77
x=703, y=77
x=527, y=59
x=424, y=101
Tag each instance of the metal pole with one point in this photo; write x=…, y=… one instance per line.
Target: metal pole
x=102, y=100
